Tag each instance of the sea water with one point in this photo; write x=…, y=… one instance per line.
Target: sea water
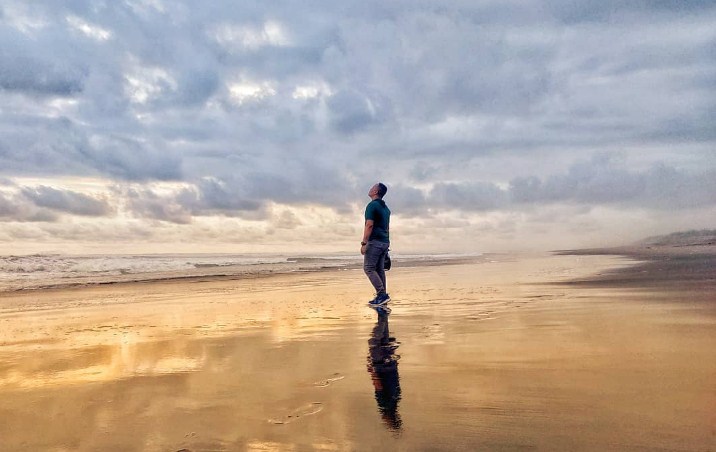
x=39, y=271
x=55, y=270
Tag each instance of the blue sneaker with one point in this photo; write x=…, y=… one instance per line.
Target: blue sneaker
x=382, y=310
x=380, y=299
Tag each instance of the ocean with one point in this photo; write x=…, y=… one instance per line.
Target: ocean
x=41, y=271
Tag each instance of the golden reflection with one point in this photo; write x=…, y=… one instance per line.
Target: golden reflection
x=119, y=341
x=269, y=446
x=122, y=360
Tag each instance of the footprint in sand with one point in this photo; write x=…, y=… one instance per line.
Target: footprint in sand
x=298, y=413
x=328, y=381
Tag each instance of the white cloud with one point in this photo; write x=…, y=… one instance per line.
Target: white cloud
x=145, y=7
x=144, y=84
x=311, y=91
x=249, y=37
x=23, y=17
x=89, y=30
x=246, y=91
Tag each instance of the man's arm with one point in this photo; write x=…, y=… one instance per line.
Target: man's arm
x=367, y=230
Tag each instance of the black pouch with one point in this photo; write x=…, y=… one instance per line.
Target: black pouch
x=387, y=264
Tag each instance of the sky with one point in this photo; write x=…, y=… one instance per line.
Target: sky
x=258, y=126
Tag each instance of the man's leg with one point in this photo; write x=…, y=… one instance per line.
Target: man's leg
x=373, y=254
x=380, y=269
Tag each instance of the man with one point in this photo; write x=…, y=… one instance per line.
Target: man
x=376, y=241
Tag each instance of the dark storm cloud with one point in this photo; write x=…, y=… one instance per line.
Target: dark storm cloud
x=67, y=201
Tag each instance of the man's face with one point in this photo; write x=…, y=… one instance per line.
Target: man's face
x=373, y=191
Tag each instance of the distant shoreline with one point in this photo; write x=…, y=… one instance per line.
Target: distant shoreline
x=689, y=270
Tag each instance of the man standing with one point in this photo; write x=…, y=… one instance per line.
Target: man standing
x=376, y=241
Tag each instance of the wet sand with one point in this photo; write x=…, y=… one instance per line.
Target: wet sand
x=522, y=353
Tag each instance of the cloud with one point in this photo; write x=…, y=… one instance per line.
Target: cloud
x=39, y=67
x=352, y=111
x=7, y=207
x=209, y=197
x=469, y=107
x=221, y=195
x=286, y=220
x=197, y=85
x=146, y=203
x=247, y=194
x=406, y=200
x=67, y=201
x=35, y=146
x=604, y=179
x=16, y=209
x=610, y=10
x=466, y=195
x=130, y=159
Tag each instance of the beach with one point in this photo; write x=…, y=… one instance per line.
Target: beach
x=595, y=350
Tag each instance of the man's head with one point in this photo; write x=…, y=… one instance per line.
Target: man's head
x=377, y=191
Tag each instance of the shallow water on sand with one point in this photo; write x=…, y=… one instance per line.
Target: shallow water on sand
x=470, y=357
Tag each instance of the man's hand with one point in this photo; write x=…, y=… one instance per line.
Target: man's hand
x=367, y=231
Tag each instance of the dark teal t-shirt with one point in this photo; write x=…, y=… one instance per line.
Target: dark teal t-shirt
x=377, y=211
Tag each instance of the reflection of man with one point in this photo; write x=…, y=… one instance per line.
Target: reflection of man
x=376, y=241
x=383, y=369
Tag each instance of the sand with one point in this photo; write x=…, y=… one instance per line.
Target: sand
x=538, y=352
